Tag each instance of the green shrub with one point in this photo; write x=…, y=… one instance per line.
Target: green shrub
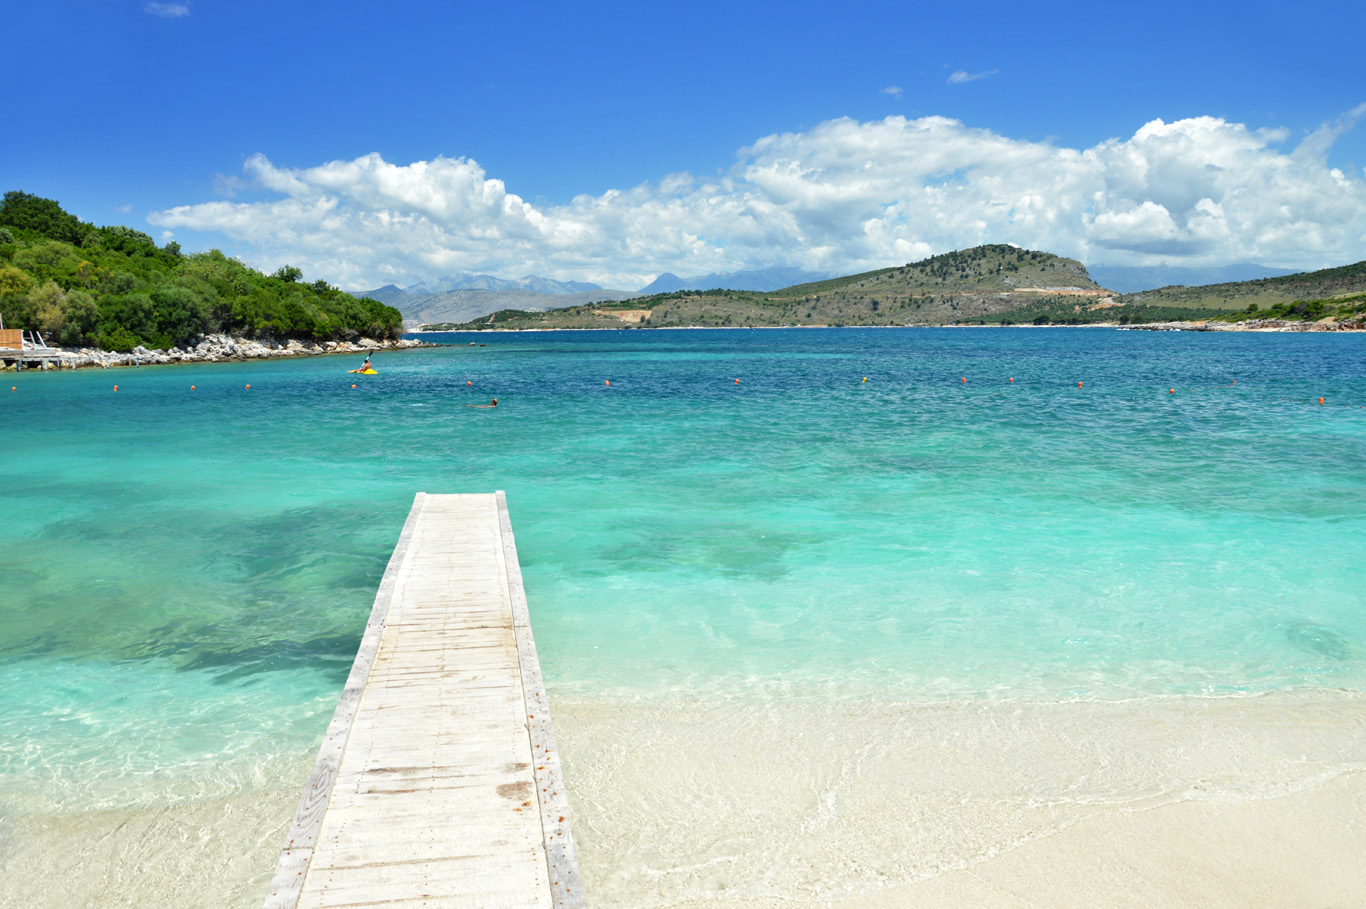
x=113, y=285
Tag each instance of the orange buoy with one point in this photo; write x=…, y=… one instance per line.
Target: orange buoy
x=116, y=388
x=965, y=380
x=191, y=388
x=353, y=386
x=1012, y=380
x=1171, y=391
x=1320, y=401
x=1079, y=385
x=248, y=386
x=737, y=381
x=469, y=383
x=606, y=381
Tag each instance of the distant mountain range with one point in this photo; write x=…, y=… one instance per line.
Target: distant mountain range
x=1264, y=293
x=1132, y=280
x=533, y=283
x=952, y=287
x=761, y=279
x=467, y=304
x=994, y=284
x=464, y=297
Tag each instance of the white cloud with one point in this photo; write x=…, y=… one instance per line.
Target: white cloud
x=959, y=76
x=893, y=90
x=844, y=196
x=228, y=185
x=167, y=10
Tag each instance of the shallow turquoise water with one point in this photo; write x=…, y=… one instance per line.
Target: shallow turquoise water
x=187, y=573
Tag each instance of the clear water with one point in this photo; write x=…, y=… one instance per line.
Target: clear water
x=186, y=574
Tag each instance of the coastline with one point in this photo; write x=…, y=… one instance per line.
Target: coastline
x=799, y=804
x=1252, y=325
x=1167, y=801
x=217, y=349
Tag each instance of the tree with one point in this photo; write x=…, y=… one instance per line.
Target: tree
x=14, y=280
x=180, y=314
x=116, y=288
x=81, y=316
x=42, y=216
x=50, y=308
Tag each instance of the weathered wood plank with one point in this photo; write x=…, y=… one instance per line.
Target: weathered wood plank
x=288, y=880
x=562, y=857
x=438, y=783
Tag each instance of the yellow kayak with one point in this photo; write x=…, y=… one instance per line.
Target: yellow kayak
x=364, y=372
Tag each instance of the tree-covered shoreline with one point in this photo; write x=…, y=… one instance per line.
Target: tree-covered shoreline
x=115, y=289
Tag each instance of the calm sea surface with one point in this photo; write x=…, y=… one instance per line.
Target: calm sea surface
x=186, y=573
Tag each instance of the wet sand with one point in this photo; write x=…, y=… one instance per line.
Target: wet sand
x=1253, y=801
x=1165, y=802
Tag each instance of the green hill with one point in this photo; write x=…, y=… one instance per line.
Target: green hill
x=953, y=287
x=114, y=288
x=1265, y=293
x=987, y=285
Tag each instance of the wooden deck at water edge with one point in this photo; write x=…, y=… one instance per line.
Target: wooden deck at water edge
x=438, y=782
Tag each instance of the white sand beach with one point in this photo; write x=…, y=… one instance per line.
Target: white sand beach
x=1246, y=801
x=1257, y=801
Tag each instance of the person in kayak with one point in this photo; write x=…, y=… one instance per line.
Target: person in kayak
x=366, y=365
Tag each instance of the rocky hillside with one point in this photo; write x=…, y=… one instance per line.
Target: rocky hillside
x=952, y=287
x=1265, y=293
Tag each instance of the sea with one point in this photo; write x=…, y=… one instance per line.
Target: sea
x=768, y=572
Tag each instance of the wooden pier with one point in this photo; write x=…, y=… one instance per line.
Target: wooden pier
x=438, y=782
x=22, y=347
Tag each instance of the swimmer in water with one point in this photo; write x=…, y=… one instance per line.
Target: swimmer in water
x=494, y=404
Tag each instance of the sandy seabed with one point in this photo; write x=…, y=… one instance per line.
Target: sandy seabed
x=1182, y=801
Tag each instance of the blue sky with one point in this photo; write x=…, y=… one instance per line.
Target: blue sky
x=214, y=122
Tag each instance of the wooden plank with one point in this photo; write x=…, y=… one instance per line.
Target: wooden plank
x=288, y=880
x=562, y=856
x=438, y=783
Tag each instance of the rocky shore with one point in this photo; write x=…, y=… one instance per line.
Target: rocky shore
x=219, y=349
x=1253, y=325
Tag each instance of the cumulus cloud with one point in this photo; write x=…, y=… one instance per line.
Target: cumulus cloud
x=844, y=196
x=893, y=90
x=959, y=76
x=167, y=10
